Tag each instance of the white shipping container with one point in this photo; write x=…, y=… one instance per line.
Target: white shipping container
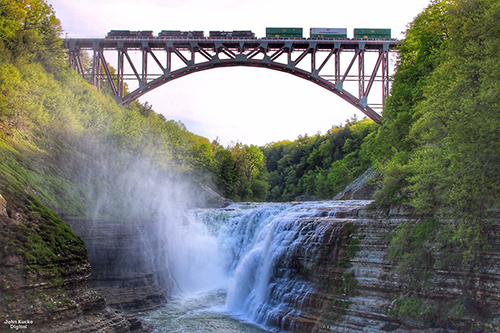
x=328, y=31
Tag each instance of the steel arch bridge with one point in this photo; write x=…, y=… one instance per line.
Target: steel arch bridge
x=186, y=56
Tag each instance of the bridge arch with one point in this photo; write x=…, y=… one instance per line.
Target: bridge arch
x=300, y=73
x=257, y=53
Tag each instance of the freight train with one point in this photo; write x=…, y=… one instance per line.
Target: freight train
x=294, y=33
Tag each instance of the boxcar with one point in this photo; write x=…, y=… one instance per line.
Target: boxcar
x=328, y=33
x=372, y=33
x=284, y=32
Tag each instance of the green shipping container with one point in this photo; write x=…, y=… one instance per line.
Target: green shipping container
x=284, y=32
x=372, y=33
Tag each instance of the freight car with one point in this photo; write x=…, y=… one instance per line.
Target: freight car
x=284, y=32
x=129, y=34
x=372, y=33
x=232, y=34
x=328, y=33
x=181, y=34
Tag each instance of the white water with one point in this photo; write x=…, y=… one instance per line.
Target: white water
x=235, y=266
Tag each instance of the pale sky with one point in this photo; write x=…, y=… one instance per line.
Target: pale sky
x=249, y=105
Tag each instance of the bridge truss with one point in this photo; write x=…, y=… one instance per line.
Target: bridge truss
x=336, y=65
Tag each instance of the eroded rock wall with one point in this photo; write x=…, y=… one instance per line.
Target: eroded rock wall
x=44, y=272
x=129, y=265
x=358, y=289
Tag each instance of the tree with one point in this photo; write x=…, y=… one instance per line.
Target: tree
x=456, y=165
x=392, y=145
x=226, y=173
x=31, y=32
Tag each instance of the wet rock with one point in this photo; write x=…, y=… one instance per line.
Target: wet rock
x=49, y=293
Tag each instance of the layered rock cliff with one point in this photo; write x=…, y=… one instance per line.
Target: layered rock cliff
x=45, y=272
x=128, y=261
x=357, y=288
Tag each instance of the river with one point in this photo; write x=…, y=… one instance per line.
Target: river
x=200, y=312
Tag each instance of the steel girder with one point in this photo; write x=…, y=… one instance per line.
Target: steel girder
x=282, y=55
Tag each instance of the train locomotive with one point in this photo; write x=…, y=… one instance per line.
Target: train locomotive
x=232, y=34
x=287, y=33
x=180, y=34
x=129, y=34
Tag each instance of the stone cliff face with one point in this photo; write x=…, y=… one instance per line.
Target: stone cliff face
x=45, y=272
x=358, y=289
x=454, y=298
x=129, y=267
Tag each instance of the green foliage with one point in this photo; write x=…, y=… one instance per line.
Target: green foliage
x=419, y=54
x=438, y=145
x=413, y=307
x=321, y=165
x=411, y=251
x=341, y=304
x=226, y=170
x=29, y=32
x=43, y=238
x=349, y=285
x=458, y=125
x=240, y=172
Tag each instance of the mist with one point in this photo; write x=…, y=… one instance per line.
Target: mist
x=135, y=222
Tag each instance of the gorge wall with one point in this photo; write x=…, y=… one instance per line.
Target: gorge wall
x=128, y=263
x=45, y=272
x=330, y=266
x=356, y=287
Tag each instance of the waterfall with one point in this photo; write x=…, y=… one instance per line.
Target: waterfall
x=193, y=255
x=261, y=253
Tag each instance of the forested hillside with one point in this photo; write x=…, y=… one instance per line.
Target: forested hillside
x=320, y=165
x=439, y=143
x=50, y=115
x=438, y=151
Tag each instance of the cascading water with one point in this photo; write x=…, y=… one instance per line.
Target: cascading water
x=244, y=262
